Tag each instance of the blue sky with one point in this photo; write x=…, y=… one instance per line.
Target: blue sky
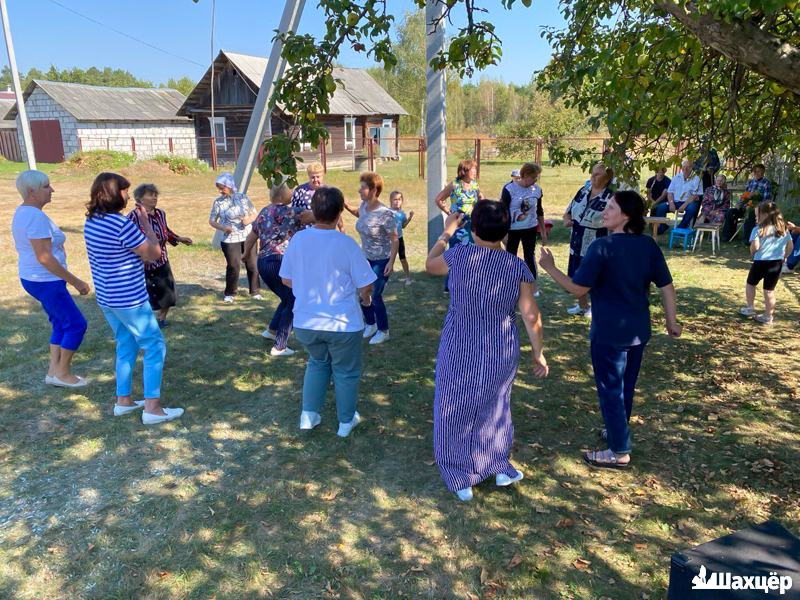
x=45, y=33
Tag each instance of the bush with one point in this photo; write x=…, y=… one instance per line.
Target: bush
x=180, y=165
x=100, y=160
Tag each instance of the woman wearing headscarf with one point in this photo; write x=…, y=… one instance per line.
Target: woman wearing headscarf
x=584, y=215
x=233, y=214
x=43, y=274
x=617, y=271
x=716, y=202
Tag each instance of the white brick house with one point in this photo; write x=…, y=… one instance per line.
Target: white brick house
x=68, y=117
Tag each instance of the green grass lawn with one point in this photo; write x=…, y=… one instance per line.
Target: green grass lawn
x=232, y=501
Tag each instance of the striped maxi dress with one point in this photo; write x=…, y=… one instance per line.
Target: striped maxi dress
x=476, y=365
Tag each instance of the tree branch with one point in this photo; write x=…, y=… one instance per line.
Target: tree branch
x=741, y=42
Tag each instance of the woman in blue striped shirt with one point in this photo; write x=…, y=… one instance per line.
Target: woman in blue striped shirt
x=116, y=249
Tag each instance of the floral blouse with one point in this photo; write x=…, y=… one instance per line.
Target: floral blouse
x=275, y=225
x=463, y=200
x=715, y=202
x=158, y=221
x=229, y=211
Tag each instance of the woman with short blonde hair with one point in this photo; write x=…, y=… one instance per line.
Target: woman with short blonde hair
x=43, y=274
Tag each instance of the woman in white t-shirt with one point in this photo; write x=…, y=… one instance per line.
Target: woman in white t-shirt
x=44, y=275
x=328, y=275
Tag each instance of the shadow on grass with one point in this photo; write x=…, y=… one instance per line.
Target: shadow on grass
x=233, y=501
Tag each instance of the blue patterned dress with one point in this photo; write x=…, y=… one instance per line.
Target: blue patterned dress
x=476, y=366
x=463, y=200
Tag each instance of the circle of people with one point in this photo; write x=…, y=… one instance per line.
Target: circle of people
x=330, y=290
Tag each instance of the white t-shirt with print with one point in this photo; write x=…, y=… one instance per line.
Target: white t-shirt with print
x=326, y=268
x=31, y=223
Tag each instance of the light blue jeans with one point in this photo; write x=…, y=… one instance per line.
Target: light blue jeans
x=337, y=354
x=135, y=329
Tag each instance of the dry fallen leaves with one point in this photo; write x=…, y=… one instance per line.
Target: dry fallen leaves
x=581, y=564
x=564, y=523
x=515, y=561
x=330, y=495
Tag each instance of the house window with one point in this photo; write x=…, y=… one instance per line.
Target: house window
x=349, y=133
x=217, y=126
x=388, y=123
x=304, y=146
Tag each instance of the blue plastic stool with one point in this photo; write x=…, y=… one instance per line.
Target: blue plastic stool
x=687, y=235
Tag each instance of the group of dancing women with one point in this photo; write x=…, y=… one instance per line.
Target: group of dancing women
x=330, y=295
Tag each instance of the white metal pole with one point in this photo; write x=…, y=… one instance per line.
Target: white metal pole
x=248, y=156
x=23, y=114
x=435, y=117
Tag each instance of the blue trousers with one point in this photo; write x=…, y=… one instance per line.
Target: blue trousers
x=334, y=354
x=69, y=325
x=269, y=268
x=376, y=313
x=136, y=329
x=616, y=369
x=688, y=217
x=794, y=257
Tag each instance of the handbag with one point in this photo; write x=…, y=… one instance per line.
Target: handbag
x=216, y=240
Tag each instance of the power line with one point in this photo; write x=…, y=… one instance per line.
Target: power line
x=122, y=33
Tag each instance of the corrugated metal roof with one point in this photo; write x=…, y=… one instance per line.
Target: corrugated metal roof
x=357, y=93
x=96, y=103
x=7, y=122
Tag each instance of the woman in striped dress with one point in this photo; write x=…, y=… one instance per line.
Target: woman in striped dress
x=476, y=365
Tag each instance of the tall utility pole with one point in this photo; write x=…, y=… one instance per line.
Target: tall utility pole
x=435, y=117
x=23, y=114
x=246, y=163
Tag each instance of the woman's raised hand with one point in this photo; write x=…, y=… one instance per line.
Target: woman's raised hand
x=546, y=259
x=453, y=222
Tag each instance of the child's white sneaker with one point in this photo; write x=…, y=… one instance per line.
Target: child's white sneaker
x=465, y=495
x=747, y=311
x=370, y=330
x=309, y=419
x=346, y=428
x=408, y=281
x=379, y=337
x=502, y=480
x=785, y=270
x=764, y=319
x=577, y=310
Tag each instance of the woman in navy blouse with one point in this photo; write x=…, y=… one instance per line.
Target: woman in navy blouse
x=616, y=272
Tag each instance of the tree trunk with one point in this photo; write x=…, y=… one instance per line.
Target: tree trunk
x=741, y=42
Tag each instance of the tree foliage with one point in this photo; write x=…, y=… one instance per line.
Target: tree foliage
x=651, y=80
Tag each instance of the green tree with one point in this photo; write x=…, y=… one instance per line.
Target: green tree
x=184, y=85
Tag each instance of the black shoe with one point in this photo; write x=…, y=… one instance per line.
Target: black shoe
x=162, y=323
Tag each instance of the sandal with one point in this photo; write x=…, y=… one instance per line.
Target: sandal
x=604, y=459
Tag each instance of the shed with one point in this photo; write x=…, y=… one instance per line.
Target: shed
x=9, y=144
x=360, y=110
x=68, y=117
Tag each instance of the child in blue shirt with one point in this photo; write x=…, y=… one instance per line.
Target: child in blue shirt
x=396, y=203
x=770, y=244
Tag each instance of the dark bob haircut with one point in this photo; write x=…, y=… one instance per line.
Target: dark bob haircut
x=327, y=204
x=490, y=220
x=105, y=196
x=632, y=206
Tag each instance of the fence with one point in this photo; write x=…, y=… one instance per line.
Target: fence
x=9, y=145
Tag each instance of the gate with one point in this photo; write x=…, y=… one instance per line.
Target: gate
x=47, y=143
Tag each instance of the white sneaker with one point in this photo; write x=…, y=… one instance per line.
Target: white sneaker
x=370, y=330
x=408, y=281
x=588, y=313
x=502, y=480
x=228, y=299
x=257, y=297
x=465, y=495
x=124, y=410
x=576, y=310
x=346, y=428
x=537, y=294
x=747, y=311
x=285, y=352
x=268, y=335
x=379, y=337
x=170, y=414
x=309, y=419
x=785, y=270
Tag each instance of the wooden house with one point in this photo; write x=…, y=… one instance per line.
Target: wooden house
x=360, y=110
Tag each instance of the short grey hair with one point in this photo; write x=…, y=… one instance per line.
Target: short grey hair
x=30, y=181
x=145, y=188
x=686, y=161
